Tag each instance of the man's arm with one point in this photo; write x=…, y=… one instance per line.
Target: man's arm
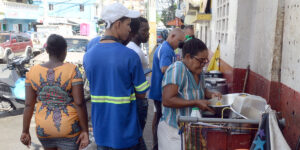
x=165, y=60
x=163, y=69
x=140, y=96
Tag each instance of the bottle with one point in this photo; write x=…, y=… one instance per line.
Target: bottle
x=196, y=112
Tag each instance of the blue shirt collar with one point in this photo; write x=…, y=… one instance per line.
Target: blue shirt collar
x=168, y=44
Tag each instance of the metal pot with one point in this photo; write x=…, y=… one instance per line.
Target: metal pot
x=216, y=84
x=214, y=74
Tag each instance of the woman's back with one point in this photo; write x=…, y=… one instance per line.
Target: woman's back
x=56, y=115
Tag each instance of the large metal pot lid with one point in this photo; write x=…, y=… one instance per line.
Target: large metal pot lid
x=215, y=80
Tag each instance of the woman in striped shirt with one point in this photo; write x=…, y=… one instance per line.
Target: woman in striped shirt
x=183, y=89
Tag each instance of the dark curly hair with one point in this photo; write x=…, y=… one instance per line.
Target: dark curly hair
x=193, y=46
x=136, y=23
x=56, y=45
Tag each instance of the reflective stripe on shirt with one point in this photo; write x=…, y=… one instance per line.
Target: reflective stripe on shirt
x=112, y=99
x=142, y=87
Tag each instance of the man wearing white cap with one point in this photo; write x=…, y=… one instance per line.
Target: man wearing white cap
x=116, y=80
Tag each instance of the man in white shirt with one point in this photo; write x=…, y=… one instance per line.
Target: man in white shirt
x=140, y=34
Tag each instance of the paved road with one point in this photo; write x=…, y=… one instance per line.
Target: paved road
x=11, y=128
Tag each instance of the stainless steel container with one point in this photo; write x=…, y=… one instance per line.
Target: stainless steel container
x=217, y=84
x=214, y=74
x=226, y=101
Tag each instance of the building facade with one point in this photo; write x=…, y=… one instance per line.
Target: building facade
x=198, y=14
x=138, y=5
x=79, y=13
x=263, y=35
x=17, y=16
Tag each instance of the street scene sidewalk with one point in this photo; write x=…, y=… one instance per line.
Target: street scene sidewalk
x=11, y=129
x=248, y=52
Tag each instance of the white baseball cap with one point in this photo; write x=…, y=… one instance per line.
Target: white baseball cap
x=113, y=12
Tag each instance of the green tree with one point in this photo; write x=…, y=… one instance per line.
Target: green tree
x=158, y=17
x=168, y=14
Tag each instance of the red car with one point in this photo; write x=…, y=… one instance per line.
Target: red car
x=13, y=44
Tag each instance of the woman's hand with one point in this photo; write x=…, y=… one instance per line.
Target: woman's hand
x=25, y=139
x=203, y=105
x=83, y=140
x=216, y=94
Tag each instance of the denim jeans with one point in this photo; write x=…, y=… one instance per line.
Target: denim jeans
x=109, y=148
x=142, y=109
x=139, y=146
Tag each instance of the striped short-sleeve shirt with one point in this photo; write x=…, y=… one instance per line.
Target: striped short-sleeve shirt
x=188, y=89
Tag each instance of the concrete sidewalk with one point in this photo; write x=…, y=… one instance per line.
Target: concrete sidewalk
x=11, y=128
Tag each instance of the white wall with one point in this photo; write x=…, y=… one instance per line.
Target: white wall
x=227, y=49
x=255, y=37
x=243, y=27
x=262, y=35
x=290, y=67
x=251, y=35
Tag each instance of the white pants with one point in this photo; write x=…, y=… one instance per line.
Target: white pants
x=168, y=137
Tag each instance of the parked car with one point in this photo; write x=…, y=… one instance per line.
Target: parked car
x=161, y=35
x=38, y=41
x=76, y=50
x=14, y=44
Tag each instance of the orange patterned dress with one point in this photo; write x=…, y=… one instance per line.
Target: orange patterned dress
x=55, y=116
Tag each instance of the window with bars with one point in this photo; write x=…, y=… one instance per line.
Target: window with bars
x=81, y=7
x=222, y=20
x=50, y=6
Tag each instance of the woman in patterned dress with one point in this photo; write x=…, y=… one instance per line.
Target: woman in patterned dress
x=56, y=88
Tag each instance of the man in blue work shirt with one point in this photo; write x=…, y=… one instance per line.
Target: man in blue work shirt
x=163, y=57
x=116, y=80
x=93, y=42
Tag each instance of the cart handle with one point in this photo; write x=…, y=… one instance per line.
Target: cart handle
x=219, y=120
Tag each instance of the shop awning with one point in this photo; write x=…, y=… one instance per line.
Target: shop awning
x=201, y=4
x=175, y=22
x=190, y=17
x=195, y=3
x=203, y=17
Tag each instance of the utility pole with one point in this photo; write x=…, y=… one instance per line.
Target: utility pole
x=100, y=7
x=152, y=24
x=45, y=4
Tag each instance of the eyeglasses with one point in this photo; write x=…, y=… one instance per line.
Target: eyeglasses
x=202, y=61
